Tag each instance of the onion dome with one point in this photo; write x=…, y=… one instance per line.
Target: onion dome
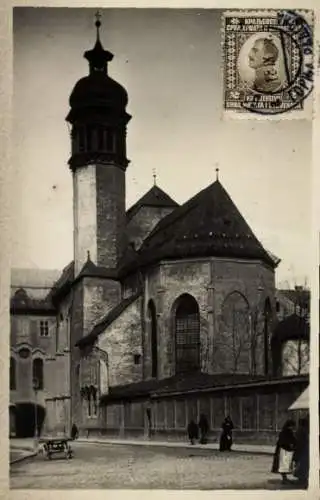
x=97, y=89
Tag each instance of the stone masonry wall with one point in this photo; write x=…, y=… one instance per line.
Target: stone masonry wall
x=85, y=215
x=99, y=297
x=143, y=222
x=122, y=342
x=110, y=214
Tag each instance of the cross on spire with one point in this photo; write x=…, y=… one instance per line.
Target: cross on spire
x=98, y=22
x=154, y=175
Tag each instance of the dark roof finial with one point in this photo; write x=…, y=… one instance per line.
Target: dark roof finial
x=98, y=23
x=154, y=175
x=217, y=173
x=88, y=255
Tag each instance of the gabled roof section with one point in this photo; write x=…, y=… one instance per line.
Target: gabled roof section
x=112, y=315
x=64, y=281
x=155, y=197
x=22, y=303
x=209, y=224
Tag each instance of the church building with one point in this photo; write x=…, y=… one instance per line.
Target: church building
x=167, y=311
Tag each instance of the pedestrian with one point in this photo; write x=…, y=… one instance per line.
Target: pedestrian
x=204, y=428
x=74, y=432
x=285, y=447
x=301, y=453
x=226, y=435
x=193, y=431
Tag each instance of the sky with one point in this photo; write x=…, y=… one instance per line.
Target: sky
x=171, y=63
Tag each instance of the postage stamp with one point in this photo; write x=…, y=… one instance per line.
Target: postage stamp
x=268, y=63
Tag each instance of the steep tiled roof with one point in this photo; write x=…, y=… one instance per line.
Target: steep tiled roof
x=107, y=320
x=293, y=327
x=209, y=224
x=22, y=303
x=155, y=197
x=65, y=280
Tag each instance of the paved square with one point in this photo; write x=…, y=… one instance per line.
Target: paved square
x=121, y=466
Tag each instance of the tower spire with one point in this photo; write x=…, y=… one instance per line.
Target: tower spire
x=97, y=57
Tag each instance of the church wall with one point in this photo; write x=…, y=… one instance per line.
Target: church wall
x=143, y=222
x=122, y=343
x=153, y=291
x=210, y=282
x=99, y=297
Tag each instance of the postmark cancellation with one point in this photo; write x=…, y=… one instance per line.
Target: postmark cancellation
x=268, y=64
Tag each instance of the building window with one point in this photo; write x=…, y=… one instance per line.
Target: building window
x=187, y=335
x=92, y=402
x=44, y=328
x=37, y=373
x=137, y=359
x=13, y=379
x=152, y=319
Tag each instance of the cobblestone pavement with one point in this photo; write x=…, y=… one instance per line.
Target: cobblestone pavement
x=121, y=466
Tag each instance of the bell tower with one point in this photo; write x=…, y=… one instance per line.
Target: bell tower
x=98, y=161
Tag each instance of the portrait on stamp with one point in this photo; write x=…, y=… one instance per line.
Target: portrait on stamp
x=267, y=62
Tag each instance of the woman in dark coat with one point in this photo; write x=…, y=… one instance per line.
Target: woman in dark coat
x=74, y=432
x=204, y=428
x=301, y=454
x=285, y=447
x=193, y=431
x=226, y=436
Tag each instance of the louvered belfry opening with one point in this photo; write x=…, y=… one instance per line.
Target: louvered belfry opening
x=187, y=335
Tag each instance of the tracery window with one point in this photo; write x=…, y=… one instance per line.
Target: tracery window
x=234, y=339
x=187, y=335
x=152, y=317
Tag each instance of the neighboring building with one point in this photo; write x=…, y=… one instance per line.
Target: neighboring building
x=33, y=342
x=166, y=310
x=293, y=301
x=291, y=337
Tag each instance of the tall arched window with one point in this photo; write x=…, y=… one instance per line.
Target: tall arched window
x=267, y=333
x=37, y=372
x=235, y=342
x=152, y=317
x=13, y=378
x=187, y=334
